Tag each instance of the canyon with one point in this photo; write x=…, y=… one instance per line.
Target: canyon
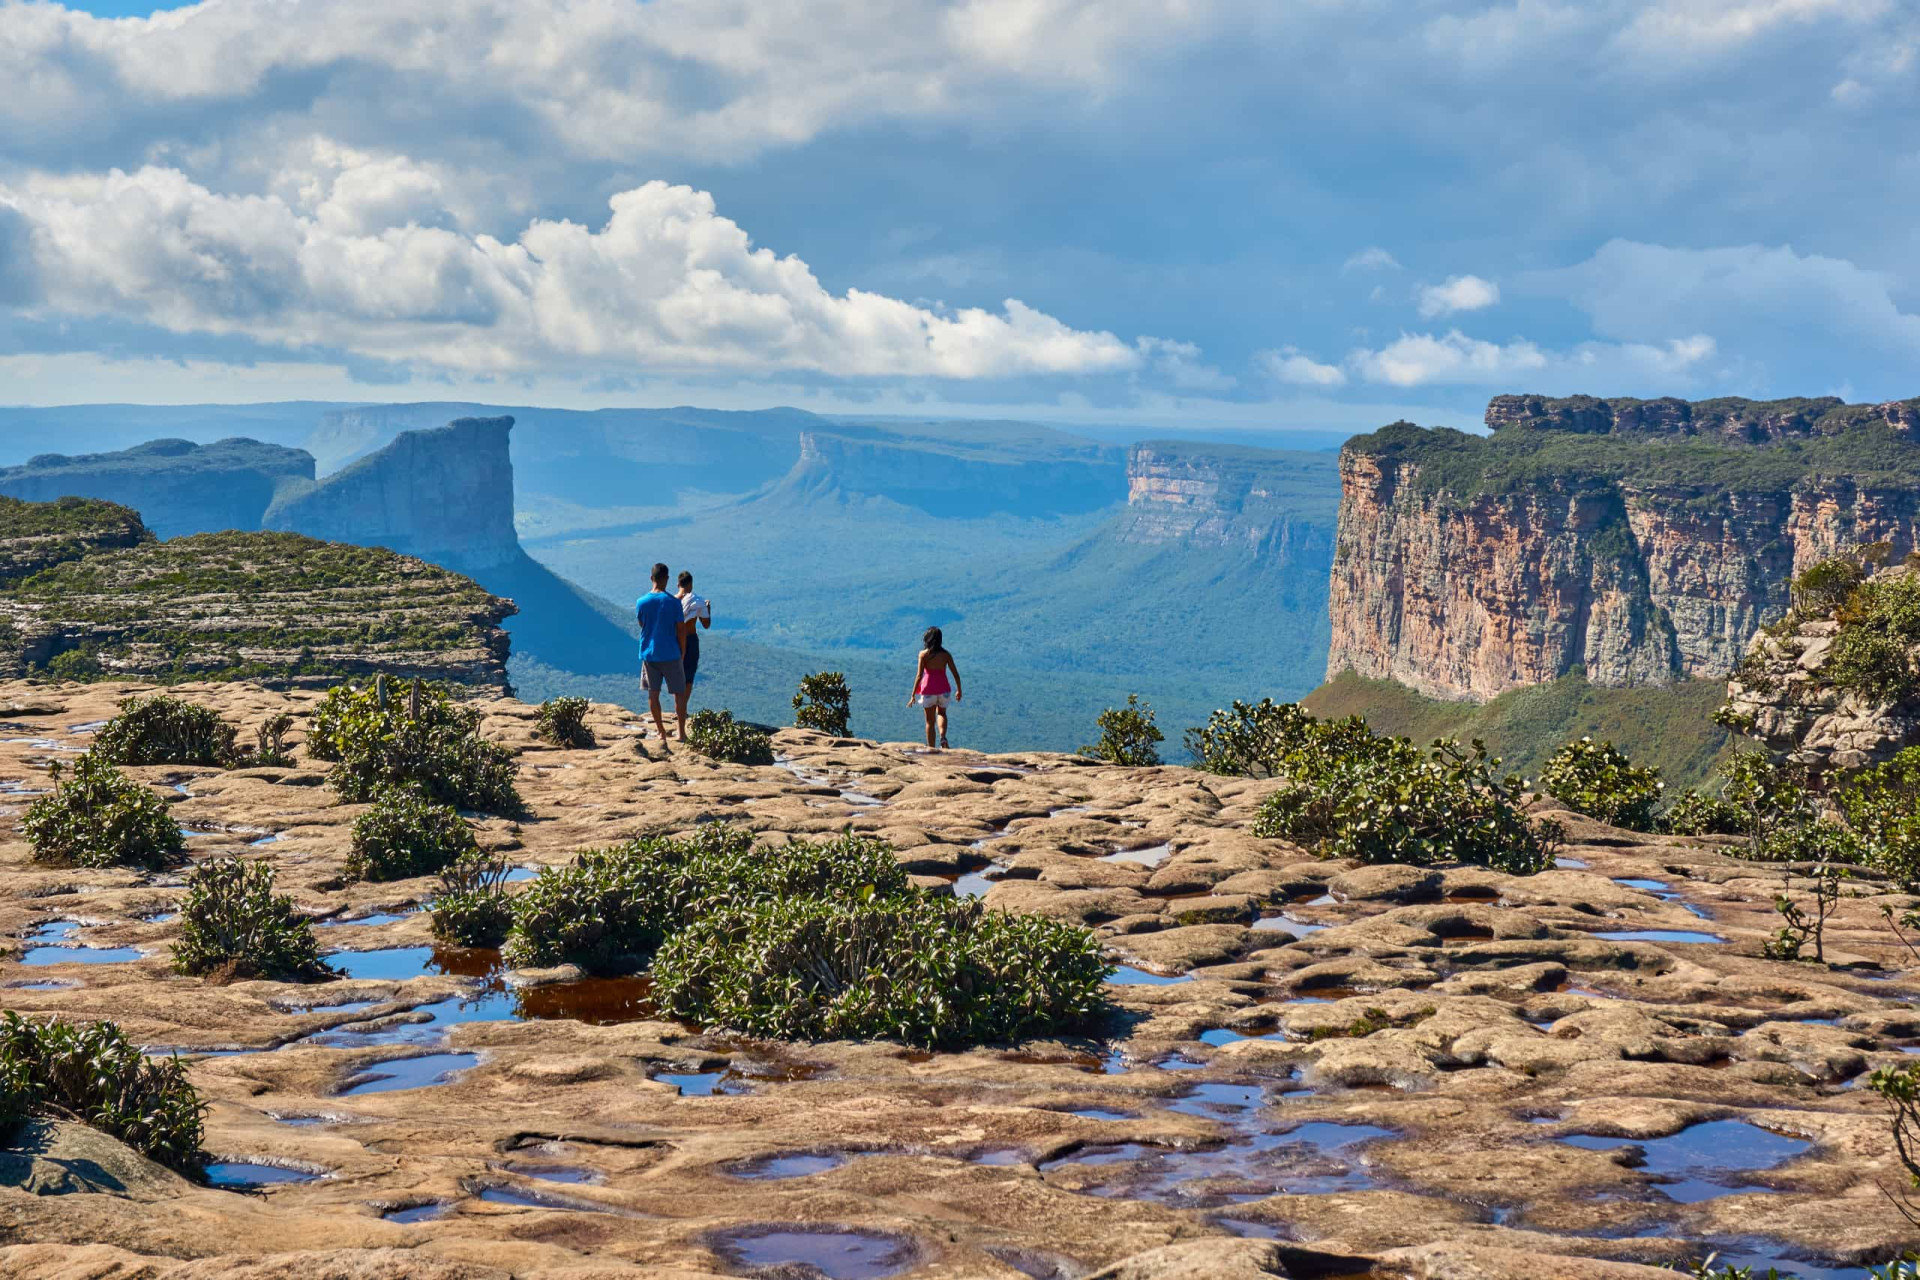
x=1636, y=542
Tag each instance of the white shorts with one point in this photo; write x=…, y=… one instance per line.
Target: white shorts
x=932, y=700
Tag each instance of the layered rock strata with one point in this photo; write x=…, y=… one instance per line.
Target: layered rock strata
x=178, y=487
x=1470, y=1020
x=1265, y=503
x=1637, y=541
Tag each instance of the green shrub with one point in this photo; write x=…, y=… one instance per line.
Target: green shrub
x=1877, y=651
x=1883, y=805
x=234, y=923
x=1252, y=741
x=1767, y=793
x=919, y=970
x=90, y=1071
x=406, y=834
x=381, y=741
x=1694, y=814
x=563, y=722
x=717, y=735
x=163, y=729
x=1596, y=779
x=472, y=908
x=824, y=703
x=612, y=907
x=1128, y=735
x=1823, y=588
x=96, y=816
x=270, y=741
x=1816, y=841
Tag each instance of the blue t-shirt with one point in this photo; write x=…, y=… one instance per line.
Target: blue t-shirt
x=660, y=616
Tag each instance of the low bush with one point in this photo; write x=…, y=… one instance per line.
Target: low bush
x=406, y=834
x=1694, y=814
x=1822, y=589
x=563, y=722
x=96, y=816
x=1816, y=841
x=472, y=908
x=717, y=735
x=163, y=729
x=1128, y=735
x=1877, y=650
x=1882, y=804
x=379, y=741
x=611, y=909
x=919, y=970
x=1767, y=793
x=1252, y=740
x=234, y=924
x=1598, y=780
x=824, y=703
x=270, y=741
x=90, y=1071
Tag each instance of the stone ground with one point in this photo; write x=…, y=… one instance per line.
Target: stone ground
x=1382, y=1095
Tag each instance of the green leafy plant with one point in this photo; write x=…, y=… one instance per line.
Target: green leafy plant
x=1883, y=805
x=1596, y=779
x=611, y=908
x=717, y=735
x=1900, y=1087
x=824, y=703
x=92, y=1072
x=1252, y=740
x=1769, y=795
x=563, y=721
x=270, y=741
x=919, y=970
x=1816, y=841
x=1799, y=929
x=1822, y=589
x=234, y=925
x=1694, y=814
x=472, y=908
x=1128, y=735
x=96, y=816
x=406, y=834
x=1877, y=650
x=163, y=729
x=380, y=741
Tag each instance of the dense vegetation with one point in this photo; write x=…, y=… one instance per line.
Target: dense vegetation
x=234, y=925
x=1352, y=793
x=163, y=729
x=1595, y=779
x=1128, y=735
x=472, y=908
x=1877, y=651
x=563, y=722
x=381, y=740
x=406, y=834
x=38, y=535
x=718, y=735
x=1882, y=805
x=91, y=1072
x=96, y=816
x=824, y=703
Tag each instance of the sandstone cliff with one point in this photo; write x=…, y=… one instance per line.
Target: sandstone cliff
x=1261, y=502
x=177, y=486
x=1641, y=541
x=966, y=474
x=444, y=495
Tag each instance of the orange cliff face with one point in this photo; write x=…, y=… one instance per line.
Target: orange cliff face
x=1464, y=596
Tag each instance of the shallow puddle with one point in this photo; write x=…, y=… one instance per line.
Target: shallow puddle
x=1127, y=976
x=1284, y=923
x=1221, y=1036
x=1569, y=864
x=799, y=1164
x=1311, y=1159
x=702, y=1084
x=1703, y=1161
x=839, y=1255
x=418, y=1213
x=553, y=1172
x=384, y=917
x=525, y=1199
x=1151, y=856
x=235, y=1175
x=1658, y=935
x=974, y=884
x=79, y=955
x=396, y=1074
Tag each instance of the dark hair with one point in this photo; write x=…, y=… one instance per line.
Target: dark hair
x=931, y=639
x=686, y=579
x=659, y=573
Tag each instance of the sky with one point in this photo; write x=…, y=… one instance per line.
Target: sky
x=1259, y=213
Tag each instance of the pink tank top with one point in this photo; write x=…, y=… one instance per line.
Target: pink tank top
x=934, y=680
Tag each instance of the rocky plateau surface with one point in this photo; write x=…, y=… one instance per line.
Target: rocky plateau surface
x=1313, y=1069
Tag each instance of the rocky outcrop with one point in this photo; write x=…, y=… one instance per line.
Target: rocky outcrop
x=443, y=494
x=1039, y=474
x=38, y=535
x=1464, y=567
x=268, y=606
x=178, y=487
x=1260, y=501
x=1784, y=694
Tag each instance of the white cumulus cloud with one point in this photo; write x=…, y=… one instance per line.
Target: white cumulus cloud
x=1288, y=365
x=1453, y=358
x=1459, y=293
x=361, y=257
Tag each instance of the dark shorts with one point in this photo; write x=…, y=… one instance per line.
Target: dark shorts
x=668, y=676
x=690, y=656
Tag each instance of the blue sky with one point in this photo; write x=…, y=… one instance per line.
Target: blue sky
x=1224, y=212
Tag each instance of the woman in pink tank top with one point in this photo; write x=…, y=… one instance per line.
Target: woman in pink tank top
x=931, y=690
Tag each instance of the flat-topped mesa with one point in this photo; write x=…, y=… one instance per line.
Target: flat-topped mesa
x=272, y=607
x=444, y=494
x=178, y=487
x=1637, y=541
x=1269, y=502
x=38, y=535
x=1025, y=471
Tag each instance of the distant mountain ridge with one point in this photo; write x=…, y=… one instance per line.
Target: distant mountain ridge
x=177, y=486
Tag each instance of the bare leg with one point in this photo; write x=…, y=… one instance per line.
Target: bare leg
x=930, y=714
x=653, y=702
x=943, y=726
x=680, y=713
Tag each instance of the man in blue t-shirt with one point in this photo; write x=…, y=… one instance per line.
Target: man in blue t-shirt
x=660, y=616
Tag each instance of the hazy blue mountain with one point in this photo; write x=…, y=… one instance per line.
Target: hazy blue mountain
x=100, y=428
x=177, y=486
